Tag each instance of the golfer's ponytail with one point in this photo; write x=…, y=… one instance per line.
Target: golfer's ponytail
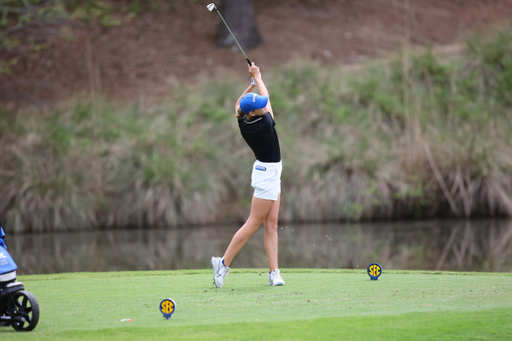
x=240, y=114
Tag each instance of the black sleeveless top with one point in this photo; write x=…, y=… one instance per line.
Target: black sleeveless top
x=260, y=135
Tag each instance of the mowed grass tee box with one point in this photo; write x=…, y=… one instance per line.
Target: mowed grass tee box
x=314, y=305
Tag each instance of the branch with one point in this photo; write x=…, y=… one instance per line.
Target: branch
x=440, y=179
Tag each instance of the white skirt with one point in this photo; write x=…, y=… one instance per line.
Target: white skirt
x=266, y=179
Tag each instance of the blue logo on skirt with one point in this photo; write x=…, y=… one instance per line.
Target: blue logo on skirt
x=260, y=168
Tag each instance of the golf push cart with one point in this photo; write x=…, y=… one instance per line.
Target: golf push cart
x=18, y=308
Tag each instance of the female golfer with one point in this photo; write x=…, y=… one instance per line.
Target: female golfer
x=256, y=122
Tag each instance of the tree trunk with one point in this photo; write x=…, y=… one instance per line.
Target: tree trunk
x=239, y=15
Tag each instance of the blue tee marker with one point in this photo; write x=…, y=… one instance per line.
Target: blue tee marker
x=167, y=307
x=374, y=271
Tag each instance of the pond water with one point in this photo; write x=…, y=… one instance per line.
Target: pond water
x=482, y=245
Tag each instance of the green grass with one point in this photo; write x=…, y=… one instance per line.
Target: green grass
x=314, y=304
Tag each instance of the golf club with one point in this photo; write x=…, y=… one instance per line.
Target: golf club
x=212, y=7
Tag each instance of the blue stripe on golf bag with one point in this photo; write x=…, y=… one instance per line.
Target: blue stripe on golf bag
x=2, y=236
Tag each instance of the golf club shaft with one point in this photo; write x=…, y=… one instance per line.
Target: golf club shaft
x=236, y=41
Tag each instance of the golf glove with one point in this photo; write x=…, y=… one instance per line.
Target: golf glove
x=253, y=82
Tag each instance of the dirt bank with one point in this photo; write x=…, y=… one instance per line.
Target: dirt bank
x=147, y=55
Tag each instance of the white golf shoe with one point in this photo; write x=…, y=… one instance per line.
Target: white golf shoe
x=274, y=278
x=219, y=272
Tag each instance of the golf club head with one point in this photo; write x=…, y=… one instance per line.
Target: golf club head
x=211, y=7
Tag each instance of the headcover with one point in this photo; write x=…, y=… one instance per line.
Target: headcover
x=252, y=101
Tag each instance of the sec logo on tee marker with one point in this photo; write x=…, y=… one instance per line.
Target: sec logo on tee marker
x=374, y=271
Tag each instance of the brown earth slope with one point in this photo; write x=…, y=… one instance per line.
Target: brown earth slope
x=149, y=54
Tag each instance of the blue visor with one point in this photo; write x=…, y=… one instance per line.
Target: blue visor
x=252, y=101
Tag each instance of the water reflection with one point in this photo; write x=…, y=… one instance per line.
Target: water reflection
x=445, y=245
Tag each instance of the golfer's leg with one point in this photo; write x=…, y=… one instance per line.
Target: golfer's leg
x=271, y=239
x=259, y=210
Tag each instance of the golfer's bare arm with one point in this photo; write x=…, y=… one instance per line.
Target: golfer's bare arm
x=255, y=73
x=249, y=89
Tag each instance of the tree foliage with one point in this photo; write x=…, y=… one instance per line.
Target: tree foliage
x=26, y=26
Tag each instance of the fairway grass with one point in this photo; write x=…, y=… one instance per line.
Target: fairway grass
x=314, y=305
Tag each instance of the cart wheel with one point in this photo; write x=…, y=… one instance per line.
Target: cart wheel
x=25, y=305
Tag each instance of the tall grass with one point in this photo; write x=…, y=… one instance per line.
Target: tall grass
x=415, y=137
x=96, y=164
